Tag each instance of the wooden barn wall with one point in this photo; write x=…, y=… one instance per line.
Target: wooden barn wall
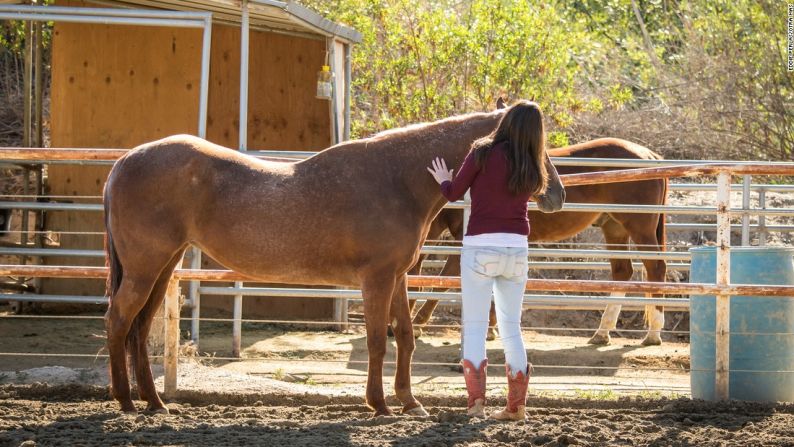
x=120, y=86
x=283, y=113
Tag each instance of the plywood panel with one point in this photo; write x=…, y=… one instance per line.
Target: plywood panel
x=283, y=113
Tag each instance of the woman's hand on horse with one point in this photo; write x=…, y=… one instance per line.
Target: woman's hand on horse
x=440, y=171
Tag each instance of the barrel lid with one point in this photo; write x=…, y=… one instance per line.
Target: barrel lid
x=766, y=249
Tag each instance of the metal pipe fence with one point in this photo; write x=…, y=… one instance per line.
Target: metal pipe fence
x=722, y=289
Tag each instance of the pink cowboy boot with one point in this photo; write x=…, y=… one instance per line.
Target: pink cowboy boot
x=475, y=385
x=516, y=397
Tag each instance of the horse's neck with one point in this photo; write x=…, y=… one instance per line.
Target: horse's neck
x=451, y=143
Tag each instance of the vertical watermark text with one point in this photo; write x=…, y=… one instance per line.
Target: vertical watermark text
x=790, y=36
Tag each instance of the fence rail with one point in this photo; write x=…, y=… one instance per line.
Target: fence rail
x=441, y=282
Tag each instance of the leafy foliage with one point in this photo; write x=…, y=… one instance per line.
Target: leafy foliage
x=422, y=61
x=688, y=78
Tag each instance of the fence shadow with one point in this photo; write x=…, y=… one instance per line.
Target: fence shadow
x=574, y=360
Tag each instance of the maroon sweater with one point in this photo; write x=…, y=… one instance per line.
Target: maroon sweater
x=494, y=209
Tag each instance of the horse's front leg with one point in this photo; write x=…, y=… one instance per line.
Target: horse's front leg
x=404, y=334
x=377, y=293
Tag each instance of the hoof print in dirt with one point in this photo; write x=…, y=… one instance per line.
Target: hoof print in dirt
x=452, y=417
x=418, y=411
x=162, y=410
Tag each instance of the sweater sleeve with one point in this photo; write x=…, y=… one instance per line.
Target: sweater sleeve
x=455, y=189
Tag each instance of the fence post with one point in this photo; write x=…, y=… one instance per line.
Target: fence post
x=746, y=180
x=723, y=317
x=171, y=345
x=194, y=296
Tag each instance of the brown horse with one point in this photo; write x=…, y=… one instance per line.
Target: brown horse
x=352, y=215
x=646, y=230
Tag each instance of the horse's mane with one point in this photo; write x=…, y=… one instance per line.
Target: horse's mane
x=431, y=129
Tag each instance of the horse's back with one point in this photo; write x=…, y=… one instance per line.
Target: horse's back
x=606, y=148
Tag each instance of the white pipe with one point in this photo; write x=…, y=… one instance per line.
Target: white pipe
x=445, y=296
x=177, y=23
x=348, y=89
x=44, y=252
x=331, y=48
x=746, y=181
x=274, y=3
x=237, y=316
x=106, y=12
x=762, y=228
x=572, y=207
x=206, y=47
x=194, y=296
x=244, y=59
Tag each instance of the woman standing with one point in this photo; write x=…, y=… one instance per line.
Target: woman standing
x=503, y=171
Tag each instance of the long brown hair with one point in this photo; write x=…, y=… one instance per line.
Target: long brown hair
x=522, y=128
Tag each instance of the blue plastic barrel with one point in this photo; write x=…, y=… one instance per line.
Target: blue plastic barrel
x=753, y=321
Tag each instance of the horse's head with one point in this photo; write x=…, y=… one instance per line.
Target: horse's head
x=553, y=198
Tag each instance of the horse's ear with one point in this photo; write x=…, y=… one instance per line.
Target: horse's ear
x=500, y=103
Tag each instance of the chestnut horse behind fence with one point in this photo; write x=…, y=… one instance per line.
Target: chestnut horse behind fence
x=645, y=230
x=352, y=215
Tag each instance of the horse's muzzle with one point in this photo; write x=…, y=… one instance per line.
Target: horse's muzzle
x=551, y=201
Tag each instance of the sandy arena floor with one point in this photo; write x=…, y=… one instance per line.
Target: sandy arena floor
x=282, y=394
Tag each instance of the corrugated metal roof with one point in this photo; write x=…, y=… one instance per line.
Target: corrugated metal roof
x=270, y=15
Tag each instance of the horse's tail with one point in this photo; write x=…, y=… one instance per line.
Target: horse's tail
x=115, y=275
x=115, y=270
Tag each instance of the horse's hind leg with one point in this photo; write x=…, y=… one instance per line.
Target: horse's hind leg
x=403, y=333
x=643, y=233
x=139, y=336
x=493, y=333
x=616, y=238
x=125, y=304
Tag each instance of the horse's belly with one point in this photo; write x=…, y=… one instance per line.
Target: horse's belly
x=282, y=264
x=554, y=227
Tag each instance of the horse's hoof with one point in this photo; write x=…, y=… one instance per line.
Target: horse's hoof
x=383, y=412
x=651, y=341
x=129, y=408
x=599, y=340
x=158, y=410
x=418, y=410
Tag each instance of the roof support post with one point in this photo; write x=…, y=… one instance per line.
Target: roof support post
x=244, y=63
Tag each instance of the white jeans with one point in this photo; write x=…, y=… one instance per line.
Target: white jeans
x=501, y=271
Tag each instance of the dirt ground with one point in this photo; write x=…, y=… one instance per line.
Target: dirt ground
x=282, y=394
x=82, y=415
